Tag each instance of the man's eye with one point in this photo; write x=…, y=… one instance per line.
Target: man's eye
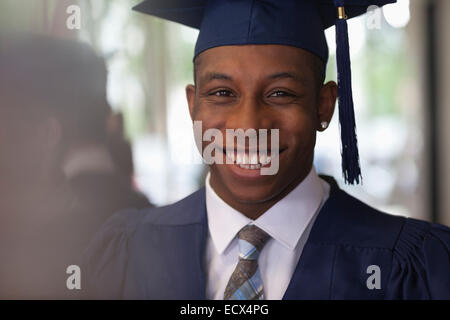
x=281, y=94
x=221, y=93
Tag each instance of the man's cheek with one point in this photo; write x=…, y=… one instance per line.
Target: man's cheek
x=209, y=141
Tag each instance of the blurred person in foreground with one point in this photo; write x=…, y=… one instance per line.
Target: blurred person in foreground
x=58, y=180
x=100, y=170
x=289, y=235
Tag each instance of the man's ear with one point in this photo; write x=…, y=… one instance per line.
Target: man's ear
x=190, y=95
x=326, y=103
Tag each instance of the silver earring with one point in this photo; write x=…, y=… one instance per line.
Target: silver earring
x=324, y=125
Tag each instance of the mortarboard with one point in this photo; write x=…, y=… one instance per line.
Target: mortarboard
x=298, y=23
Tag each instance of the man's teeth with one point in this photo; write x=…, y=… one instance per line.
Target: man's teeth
x=246, y=161
x=254, y=159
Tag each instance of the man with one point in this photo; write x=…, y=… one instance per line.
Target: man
x=99, y=170
x=247, y=235
x=57, y=178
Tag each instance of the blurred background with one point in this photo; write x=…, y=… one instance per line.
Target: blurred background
x=401, y=71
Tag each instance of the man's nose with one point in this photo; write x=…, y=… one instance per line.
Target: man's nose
x=249, y=114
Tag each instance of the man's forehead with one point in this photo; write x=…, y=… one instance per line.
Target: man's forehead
x=268, y=61
x=261, y=50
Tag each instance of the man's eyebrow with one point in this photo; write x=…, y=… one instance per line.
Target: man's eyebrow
x=287, y=75
x=209, y=76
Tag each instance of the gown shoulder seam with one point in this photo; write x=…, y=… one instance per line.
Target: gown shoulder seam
x=399, y=234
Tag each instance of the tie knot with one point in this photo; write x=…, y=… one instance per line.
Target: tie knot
x=251, y=241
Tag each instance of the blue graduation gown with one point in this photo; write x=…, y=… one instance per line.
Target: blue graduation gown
x=158, y=253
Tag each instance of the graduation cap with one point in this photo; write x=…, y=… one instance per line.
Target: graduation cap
x=298, y=23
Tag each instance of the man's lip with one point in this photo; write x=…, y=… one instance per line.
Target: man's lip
x=269, y=154
x=250, y=175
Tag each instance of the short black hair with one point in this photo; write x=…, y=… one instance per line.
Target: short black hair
x=58, y=77
x=319, y=69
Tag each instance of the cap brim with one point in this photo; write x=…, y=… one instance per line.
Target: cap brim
x=353, y=8
x=190, y=12
x=186, y=12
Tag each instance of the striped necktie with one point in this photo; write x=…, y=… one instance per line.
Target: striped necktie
x=245, y=282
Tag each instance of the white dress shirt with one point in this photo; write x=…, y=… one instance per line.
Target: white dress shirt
x=288, y=223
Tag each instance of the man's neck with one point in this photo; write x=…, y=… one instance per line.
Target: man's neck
x=254, y=210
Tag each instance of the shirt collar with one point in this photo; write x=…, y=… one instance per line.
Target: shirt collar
x=285, y=221
x=87, y=159
x=224, y=222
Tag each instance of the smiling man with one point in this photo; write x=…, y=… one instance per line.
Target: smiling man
x=254, y=87
x=290, y=235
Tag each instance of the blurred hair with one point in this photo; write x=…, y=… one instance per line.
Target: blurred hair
x=56, y=77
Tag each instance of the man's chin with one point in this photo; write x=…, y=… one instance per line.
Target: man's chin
x=254, y=197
